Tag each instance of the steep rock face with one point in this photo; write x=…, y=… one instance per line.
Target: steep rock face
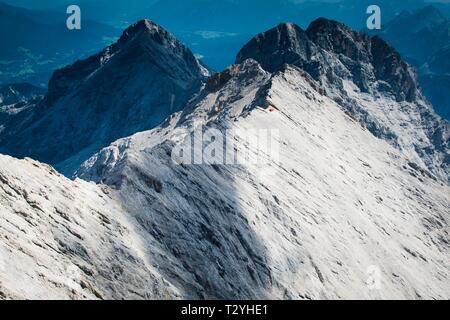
x=62, y=239
x=337, y=204
x=389, y=67
x=131, y=86
x=367, y=78
x=285, y=44
x=143, y=44
x=359, y=53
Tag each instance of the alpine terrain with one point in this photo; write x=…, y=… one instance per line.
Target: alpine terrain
x=355, y=205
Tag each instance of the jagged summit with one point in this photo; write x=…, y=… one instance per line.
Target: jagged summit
x=328, y=50
x=336, y=37
x=142, y=26
x=321, y=24
x=281, y=228
x=289, y=29
x=366, y=76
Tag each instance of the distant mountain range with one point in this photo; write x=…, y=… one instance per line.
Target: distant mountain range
x=216, y=30
x=35, y=43
x=423, y=38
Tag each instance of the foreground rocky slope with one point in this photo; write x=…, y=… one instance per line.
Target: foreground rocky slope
x=131, y=86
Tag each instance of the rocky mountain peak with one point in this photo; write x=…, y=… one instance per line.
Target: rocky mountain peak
x=143, y=25
x=130, y=86
x=351, y=67
x=249, y=69
x=331, y=52
x=143, y=42
x=285, y=44
x=390, y=68
x=148, y=28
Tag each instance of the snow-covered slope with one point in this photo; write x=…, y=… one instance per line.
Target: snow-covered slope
x=338, y=204
x=131, y=86
x=16, y=98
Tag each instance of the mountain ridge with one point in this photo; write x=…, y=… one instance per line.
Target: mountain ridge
x=366, y=77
